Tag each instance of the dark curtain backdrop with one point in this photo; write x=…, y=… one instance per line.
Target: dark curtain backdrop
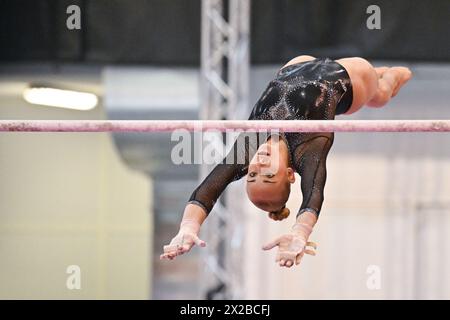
x=168, y=31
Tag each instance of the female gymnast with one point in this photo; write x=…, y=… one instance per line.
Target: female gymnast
x=306, y=88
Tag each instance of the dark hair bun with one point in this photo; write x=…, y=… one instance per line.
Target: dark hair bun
x=280, y=214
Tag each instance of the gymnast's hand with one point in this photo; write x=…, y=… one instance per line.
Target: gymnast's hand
x=187, y=236
x=292, y=246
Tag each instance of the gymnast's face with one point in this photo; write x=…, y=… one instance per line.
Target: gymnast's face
x=269, y=176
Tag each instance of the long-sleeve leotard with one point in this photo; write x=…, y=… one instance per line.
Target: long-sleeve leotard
x=314, y=90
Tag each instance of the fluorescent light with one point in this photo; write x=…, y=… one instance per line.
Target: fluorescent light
x=60, y=98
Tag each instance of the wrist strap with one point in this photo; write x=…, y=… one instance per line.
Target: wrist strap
x=309, y=210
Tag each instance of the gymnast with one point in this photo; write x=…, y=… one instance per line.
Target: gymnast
x=306, y=88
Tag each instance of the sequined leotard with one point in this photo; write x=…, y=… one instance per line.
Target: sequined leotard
x=313, y=90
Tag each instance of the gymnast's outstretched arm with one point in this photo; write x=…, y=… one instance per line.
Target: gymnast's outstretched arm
x=233, y=167
x=310, y=163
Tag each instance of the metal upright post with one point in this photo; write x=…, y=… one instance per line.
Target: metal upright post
x=224, y=95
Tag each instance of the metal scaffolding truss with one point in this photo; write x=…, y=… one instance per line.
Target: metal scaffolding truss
x=224, y=95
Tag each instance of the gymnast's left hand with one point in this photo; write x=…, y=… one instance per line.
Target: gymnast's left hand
x=292, y=246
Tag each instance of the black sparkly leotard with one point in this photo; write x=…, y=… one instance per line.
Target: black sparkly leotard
x=313, y=90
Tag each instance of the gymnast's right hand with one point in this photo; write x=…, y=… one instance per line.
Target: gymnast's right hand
x=187, y=236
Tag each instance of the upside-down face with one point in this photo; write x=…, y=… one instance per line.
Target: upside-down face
x=269, y=176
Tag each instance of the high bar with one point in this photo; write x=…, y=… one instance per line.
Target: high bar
x=224, y=125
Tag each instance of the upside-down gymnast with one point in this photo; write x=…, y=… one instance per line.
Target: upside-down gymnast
x=306, y=88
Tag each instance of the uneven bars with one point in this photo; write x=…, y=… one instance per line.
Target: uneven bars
x=224, y=125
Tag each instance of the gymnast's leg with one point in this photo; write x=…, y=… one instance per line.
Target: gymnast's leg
x=373, y=87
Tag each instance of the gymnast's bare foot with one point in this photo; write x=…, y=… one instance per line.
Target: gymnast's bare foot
x=404, y=74
x=390, y=80
x=381, y=70
x=398, y=76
